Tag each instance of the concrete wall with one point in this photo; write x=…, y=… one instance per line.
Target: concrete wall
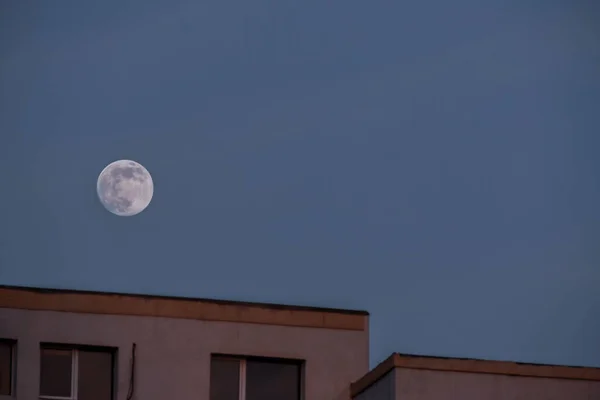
x=436, y=378
x=383, y=389
x=414, y=384
x=173, y=355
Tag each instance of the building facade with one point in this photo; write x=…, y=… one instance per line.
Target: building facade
x=406, y=377
x=74, y=345
x=98, y=346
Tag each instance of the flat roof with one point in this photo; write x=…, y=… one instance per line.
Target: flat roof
x=467, y=365
x=79, y=301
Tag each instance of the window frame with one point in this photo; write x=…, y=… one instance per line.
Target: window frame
x=243, y=361
x=12, y=344
x=75, y=349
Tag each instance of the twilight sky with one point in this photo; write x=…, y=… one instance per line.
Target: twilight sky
x=433, y=162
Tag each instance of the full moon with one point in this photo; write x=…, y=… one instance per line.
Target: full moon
x=125, y=188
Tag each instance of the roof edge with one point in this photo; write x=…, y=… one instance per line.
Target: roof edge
x=95, y=302
x=275, y=306
x=371, y=377
x=477, y=366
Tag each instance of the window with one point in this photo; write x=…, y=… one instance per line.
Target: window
x=81, y=373
x=255, y=379
x=7, y=360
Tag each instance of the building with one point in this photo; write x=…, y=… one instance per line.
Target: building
x=74, y=345
x=406, y=377
x=80, y=346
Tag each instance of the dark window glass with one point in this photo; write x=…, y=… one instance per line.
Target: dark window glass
x=268, y=380
x=224, y=379
x=55, y=372
x=95, y=375
x=6, y=362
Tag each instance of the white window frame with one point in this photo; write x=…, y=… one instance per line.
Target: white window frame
x=242, y=375
x=12, y=344
x=242, y=395
x=74, y=375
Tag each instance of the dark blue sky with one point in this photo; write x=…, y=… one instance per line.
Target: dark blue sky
x=433, y=162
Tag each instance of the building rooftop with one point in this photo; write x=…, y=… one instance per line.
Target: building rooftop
x=466, y=365
x=78, y=301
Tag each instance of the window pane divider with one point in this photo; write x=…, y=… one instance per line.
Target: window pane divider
x=74, y=373
x=242, y=393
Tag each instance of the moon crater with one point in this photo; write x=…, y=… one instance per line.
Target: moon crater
x=125, y=188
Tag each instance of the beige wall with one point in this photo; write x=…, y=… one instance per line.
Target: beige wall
x=383, y=389
x=173, y=355
x=413, y=384
x=432, y=378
